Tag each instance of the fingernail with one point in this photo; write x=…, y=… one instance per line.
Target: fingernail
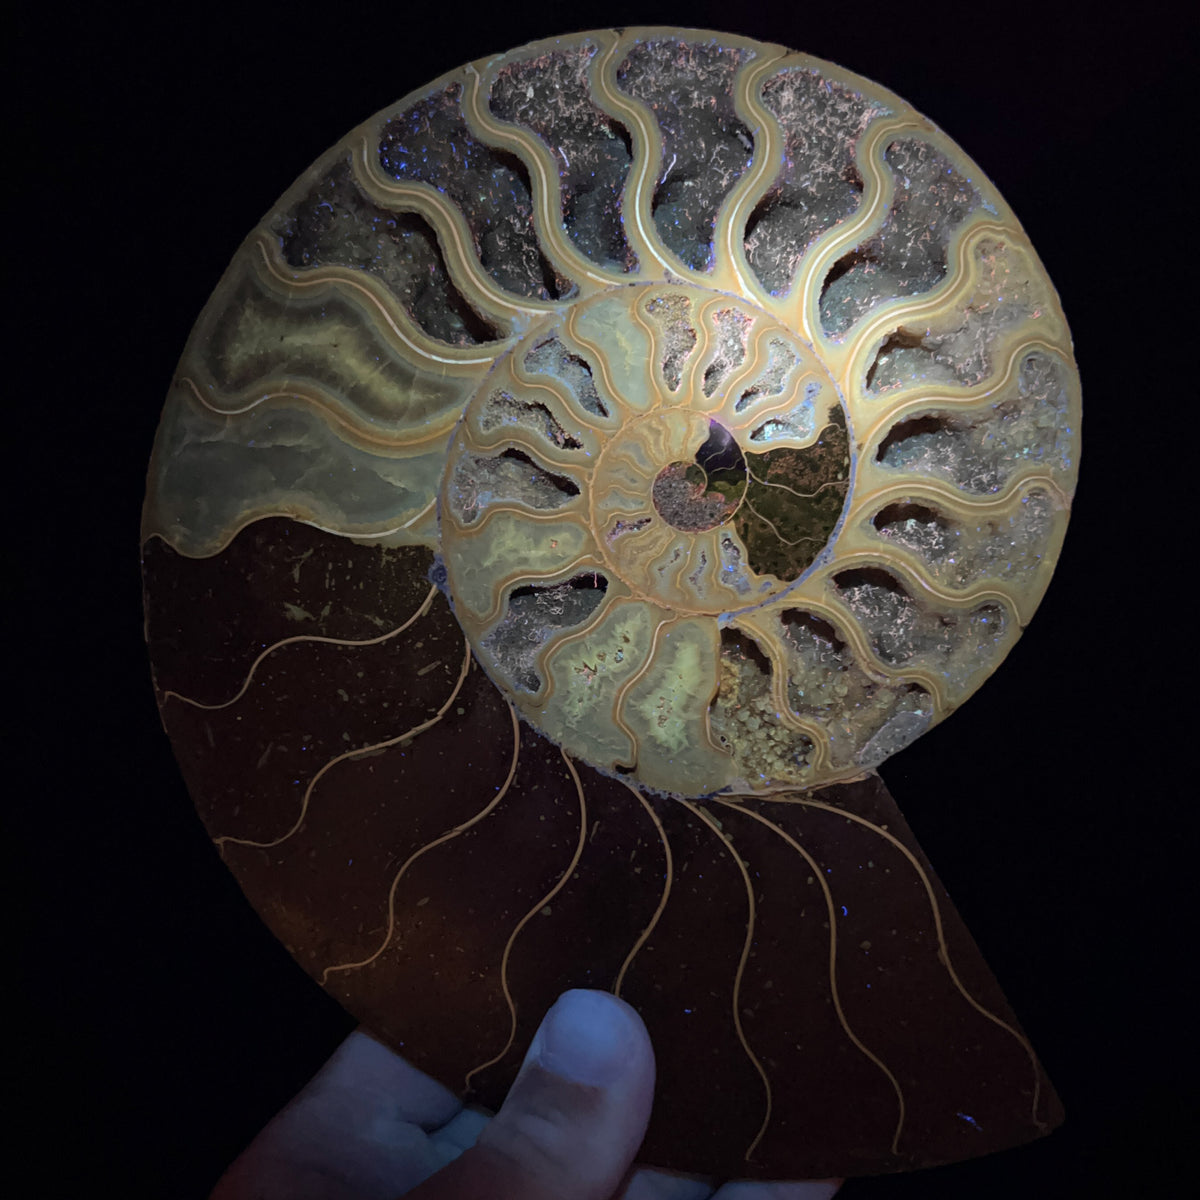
x=586, y=1038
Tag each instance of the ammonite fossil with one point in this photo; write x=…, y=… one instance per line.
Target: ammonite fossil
x=587, y=473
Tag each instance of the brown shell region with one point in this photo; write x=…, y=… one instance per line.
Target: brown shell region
x=446, y=871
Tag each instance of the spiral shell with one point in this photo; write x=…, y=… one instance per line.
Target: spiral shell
x=721, y=395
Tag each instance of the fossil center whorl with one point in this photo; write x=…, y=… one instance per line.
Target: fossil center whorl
x=732, y=470
x=705, y=492
x=652, y=460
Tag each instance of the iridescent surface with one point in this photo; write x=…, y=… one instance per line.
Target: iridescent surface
x=716, y=413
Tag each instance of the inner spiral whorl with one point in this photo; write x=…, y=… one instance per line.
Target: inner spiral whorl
x=704, y=493
x=639, y=467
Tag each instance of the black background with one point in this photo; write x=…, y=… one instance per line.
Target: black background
x=164, y=1024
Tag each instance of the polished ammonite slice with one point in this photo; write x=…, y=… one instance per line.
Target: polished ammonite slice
x=580, y=481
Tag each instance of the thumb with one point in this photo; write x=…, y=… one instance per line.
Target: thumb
x=575, y=1116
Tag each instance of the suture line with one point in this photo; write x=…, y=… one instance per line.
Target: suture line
x=662, y=903
x=312, y=783
x=305, y=637
x=438, y=841
x=942, y=946
x=508, y=998
x=741, y=968
x=805, y=537
x=819, y=875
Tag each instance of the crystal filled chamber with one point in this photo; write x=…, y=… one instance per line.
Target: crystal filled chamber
x=579, y=482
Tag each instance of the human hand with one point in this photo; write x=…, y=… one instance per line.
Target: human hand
x=370, y=1126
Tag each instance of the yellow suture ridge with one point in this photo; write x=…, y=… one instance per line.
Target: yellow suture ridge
x=563, y=460
x=914, y=570
x=668, y=880
x=408, y=735
x=731, y=272
x=943, y=948
x=422, y=609
x=391, y=330
x=441, y=840
x=618, y=707
x=783, y=487
x=819, y=875
x=848, y=359
x=735, y=998
x=511, y=312
x=961, y=504
x=536, y=381
x=612, y=507
x=707, y=349
x=574, y=462
x=887, y=410
x=310, y=395
x=762, y=625
x=908, y=567
x=654, y=260
x=391, y=319
x=249, y=517
x=613, y=598
x=842, y=618
x=690, y=379
x=768, y=641
x=568, y=512
x=545, y=900
x=654, y=387
x=962, y=600
x=544, y=176
x=757, y=354
x=578, y=566
x=391, y=530
x=623, y=691
x=876, y=486
x=677, y=576
x=799, y=307
x=767, y=638
x=595, y=355
x=587, y=427
x=837, y=616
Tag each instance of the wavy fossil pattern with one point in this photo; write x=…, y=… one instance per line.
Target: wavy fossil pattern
x=587, y=459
